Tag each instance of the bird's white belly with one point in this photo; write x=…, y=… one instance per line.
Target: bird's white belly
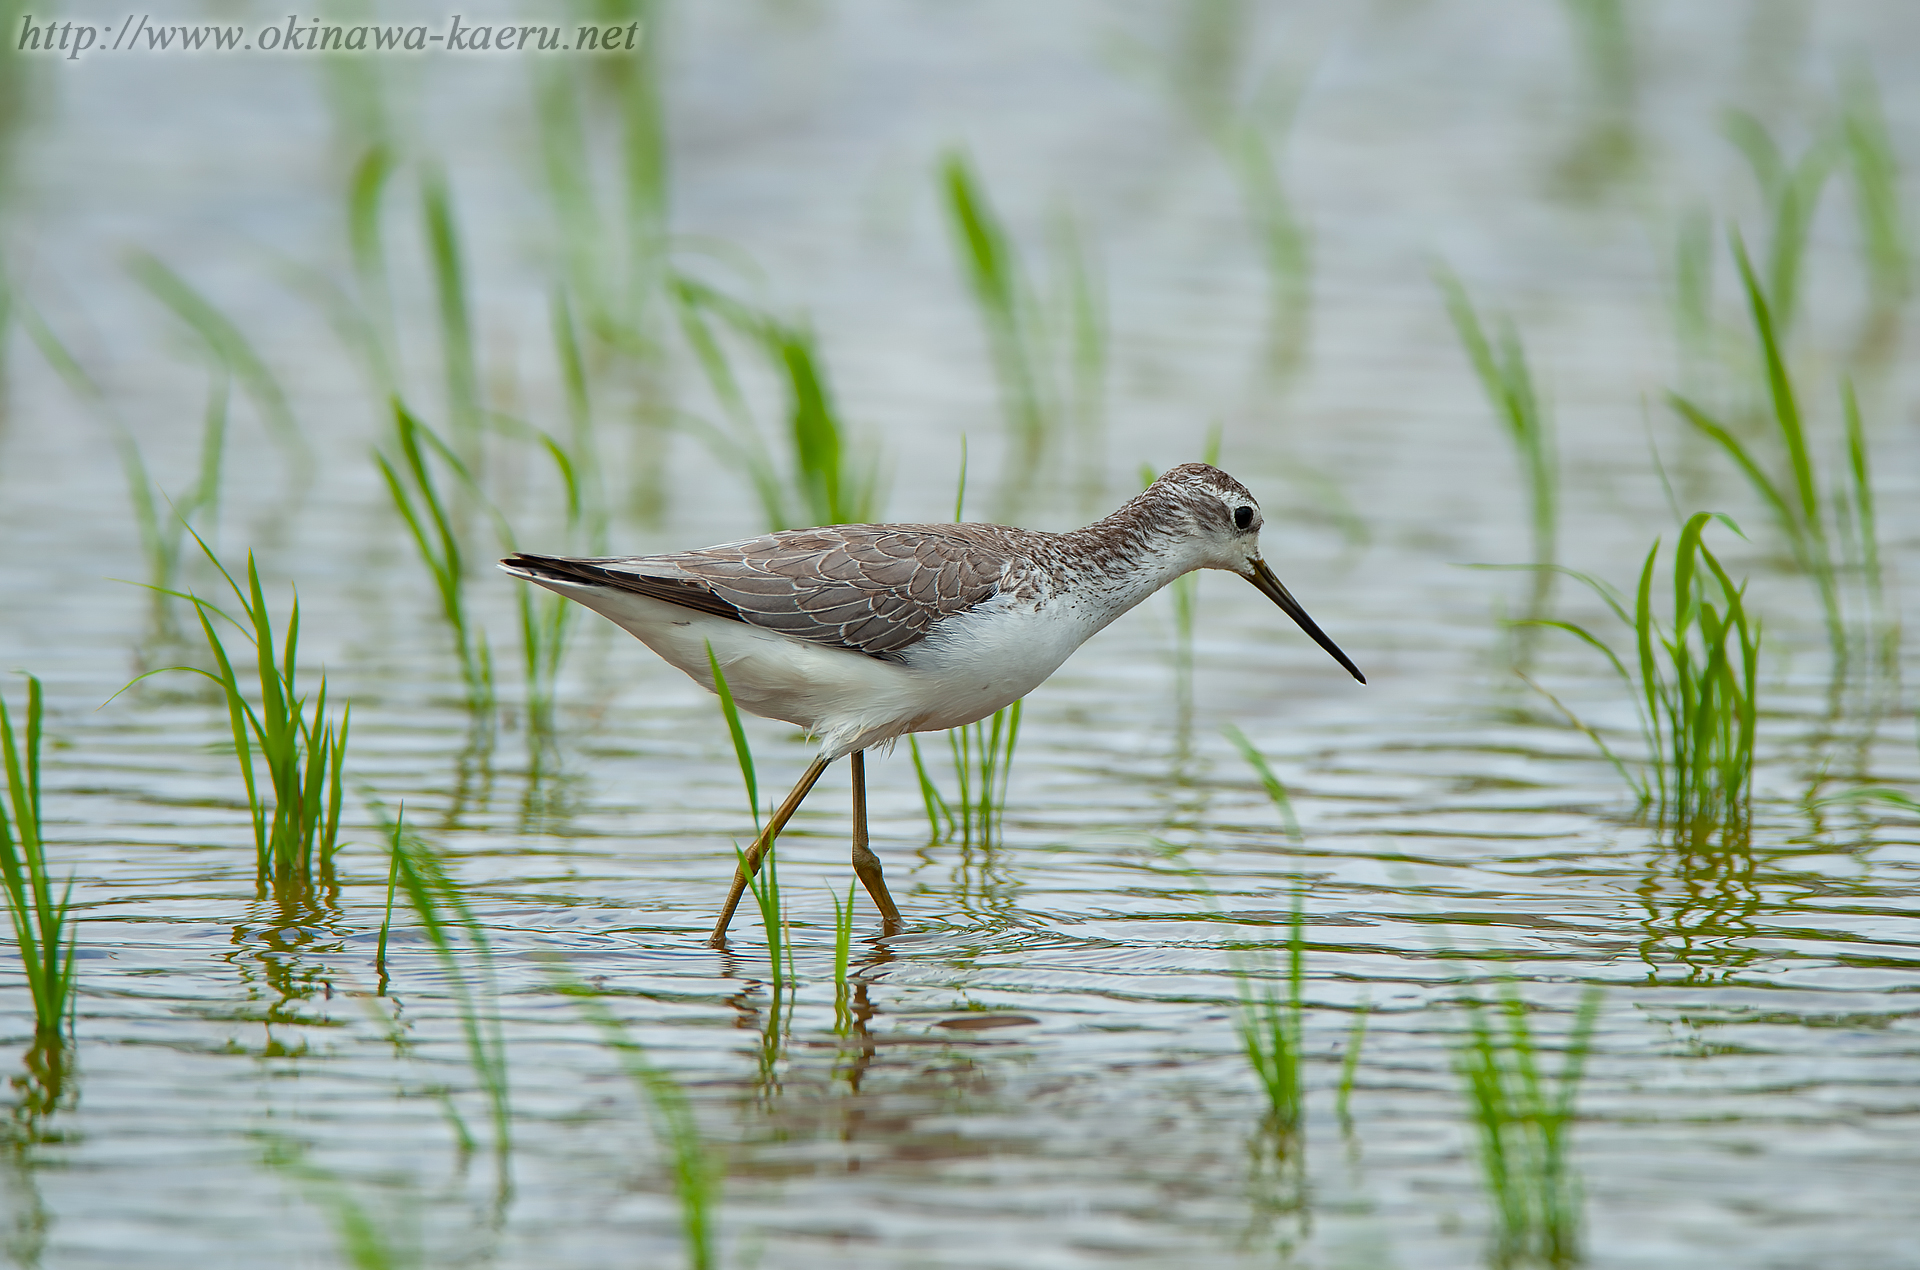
x=970, y=665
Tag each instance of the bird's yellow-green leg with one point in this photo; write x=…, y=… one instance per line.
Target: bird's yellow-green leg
x=866, y=865
x=751, y=865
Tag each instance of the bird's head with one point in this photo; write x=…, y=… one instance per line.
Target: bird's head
x=1221, y=527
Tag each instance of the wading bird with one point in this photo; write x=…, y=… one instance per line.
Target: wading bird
x=863, y=633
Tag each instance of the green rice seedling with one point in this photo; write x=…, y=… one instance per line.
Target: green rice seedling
x=464, y=403
x=386, y=916
x=1791, y=192
x=1270, y=1036
x=1246, y=117
x=1810, y=520
x=1885, y=243
x=982, y=767
x=1608, y=148
x=620, y=99
x=545, y=619
x=377, y=334
x=764, y=884
x=1000, y=290
x=43, y=928
x=982, y=756
x=742, y=752
x=833, y=493
x=601, y=124
x=583, y=448
x=1272, y=1031
x=1695, y=686
x=1250, y=146
x=698, y=1171
x=161, y=536
x=460, y=945
x=1083, y=305
x=1350, y=1062
x=1501, y=364
x=1048, y=347
x=429, y=519
x=842, y=956
x=366, y=1240
x=1523, y=1120
x=823, y=483
x=1276, y=791
x=940, y=818
x=228, y=347
x=304, y=750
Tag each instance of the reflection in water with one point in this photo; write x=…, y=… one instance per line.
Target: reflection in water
x=822, y=1086
x=1279, y=1197
x=553, y=795
x=1701, y=910
x=43, y=1087
x=279, y=947
x=473, y=771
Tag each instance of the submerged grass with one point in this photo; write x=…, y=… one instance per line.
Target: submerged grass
x=303, y=748
x=1821, y=528
x=1695, y=685
x=1523, y=1118
x=43, y=930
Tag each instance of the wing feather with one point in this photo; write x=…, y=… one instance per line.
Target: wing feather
x=873, y=589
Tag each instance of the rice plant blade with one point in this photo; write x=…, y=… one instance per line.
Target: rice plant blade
x=1786, y=408
x=456, y=324
x=1276, y=791
x=742, y=752
x=228, y=344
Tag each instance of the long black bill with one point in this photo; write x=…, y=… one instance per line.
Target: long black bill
x=1270, y=587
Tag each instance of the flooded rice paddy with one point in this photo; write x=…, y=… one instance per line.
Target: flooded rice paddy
x=1047, y=1067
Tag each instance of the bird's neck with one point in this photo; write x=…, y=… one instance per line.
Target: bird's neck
x=1142, y=546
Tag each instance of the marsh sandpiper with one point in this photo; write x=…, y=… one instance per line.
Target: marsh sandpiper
x=863, y=633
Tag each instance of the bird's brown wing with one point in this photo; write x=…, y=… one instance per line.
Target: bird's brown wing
x=874, y=589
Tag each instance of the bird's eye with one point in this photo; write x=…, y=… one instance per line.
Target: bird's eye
x=1242, y=517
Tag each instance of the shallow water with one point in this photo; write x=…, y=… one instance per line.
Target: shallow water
x=1043, y=1069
